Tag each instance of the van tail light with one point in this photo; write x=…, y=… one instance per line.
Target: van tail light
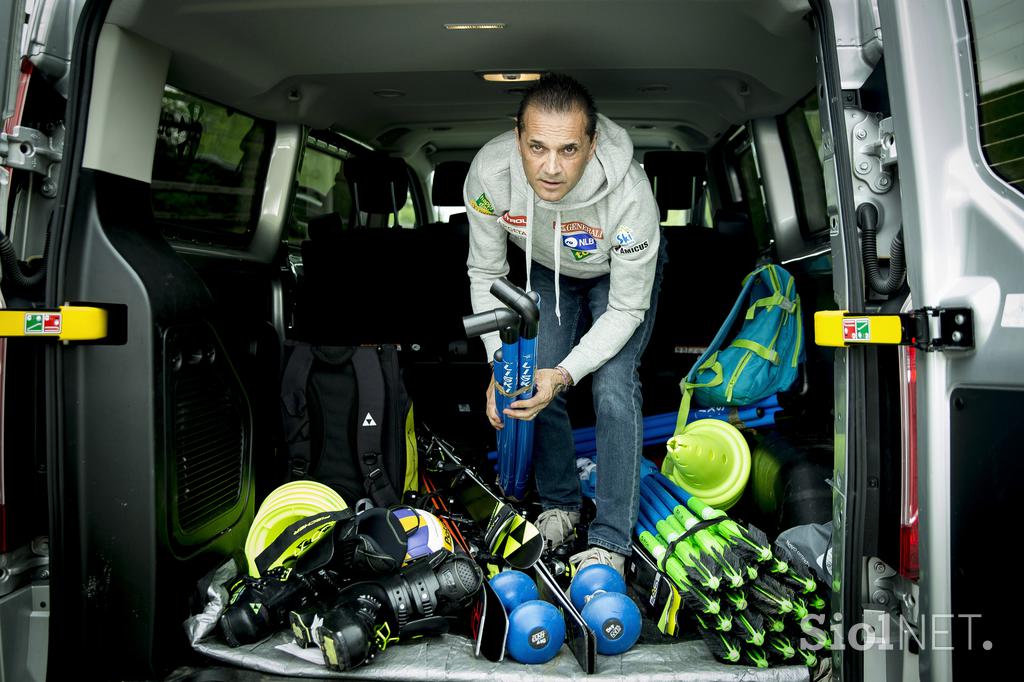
x=909, y=566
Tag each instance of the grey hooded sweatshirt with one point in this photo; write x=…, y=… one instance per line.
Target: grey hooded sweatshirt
x=607, y=223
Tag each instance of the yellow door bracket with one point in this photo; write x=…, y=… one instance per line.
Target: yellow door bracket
x=929, y=329
x=67, y=323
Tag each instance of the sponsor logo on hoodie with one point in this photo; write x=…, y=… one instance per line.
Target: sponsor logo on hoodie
x=635, y=248
x=577, y=226
x=515, y=225
x=623, y=237
x=580, y=244
x=483, y=205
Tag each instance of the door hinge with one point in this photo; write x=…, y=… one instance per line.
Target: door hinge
x=33, y=150
x=873, y=152
x=927, y=329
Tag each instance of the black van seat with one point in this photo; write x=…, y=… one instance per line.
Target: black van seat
x=446, y=190
x=703, y=276
x=379, y=186
x=380, y=286
x=676, y=178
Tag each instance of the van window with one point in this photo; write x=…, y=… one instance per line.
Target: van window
x=800, y=132
x=407, y=214
x=745, y=178
x=321, y=188
x=997, y=34
x=209, y=167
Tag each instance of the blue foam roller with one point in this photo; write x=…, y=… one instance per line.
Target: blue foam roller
x=536, y=631
x=615, y=620
x=513, y=588
x=592, y=579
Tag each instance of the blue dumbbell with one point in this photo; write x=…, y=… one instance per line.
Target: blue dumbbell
x=513, y=588
x=592, y=580
x=599, y=592
x=615, y=620
x=536, y=631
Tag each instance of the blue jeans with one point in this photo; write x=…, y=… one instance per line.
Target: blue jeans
x=618, y=405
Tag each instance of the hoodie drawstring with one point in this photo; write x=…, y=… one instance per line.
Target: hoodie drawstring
x=529, y=234
x=557, y=253
x=558, y=260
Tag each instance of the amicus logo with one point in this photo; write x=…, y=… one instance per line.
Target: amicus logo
x=636, y=248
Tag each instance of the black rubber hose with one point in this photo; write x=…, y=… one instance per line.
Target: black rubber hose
x=867, y=219
x=12, y=272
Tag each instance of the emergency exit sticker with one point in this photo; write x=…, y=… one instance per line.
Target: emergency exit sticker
x=856, y=329
x=42, y=323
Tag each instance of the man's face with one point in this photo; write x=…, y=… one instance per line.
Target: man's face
x=555, y=150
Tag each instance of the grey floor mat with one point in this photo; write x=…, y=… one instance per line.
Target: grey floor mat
x=451, y=658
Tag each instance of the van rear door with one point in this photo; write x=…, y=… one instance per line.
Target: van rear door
x=955, y=72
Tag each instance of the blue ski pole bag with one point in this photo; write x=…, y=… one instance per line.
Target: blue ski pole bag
x=761, y=358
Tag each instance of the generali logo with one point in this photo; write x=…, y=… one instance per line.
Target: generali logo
x=577, y=226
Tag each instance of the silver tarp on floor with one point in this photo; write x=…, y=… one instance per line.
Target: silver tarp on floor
x=451, y=658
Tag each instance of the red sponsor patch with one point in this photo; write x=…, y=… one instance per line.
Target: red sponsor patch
x=577, y=226
x=513, y=220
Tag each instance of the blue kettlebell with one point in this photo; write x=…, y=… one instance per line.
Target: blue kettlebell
x=536, y=631
x=513, y=588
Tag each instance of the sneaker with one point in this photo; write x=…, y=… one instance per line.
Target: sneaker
x=557, y=526
x=598, y=555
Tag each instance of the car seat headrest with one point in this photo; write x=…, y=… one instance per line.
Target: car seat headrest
x=449, y=177
x=676, y=177
x=379, y=184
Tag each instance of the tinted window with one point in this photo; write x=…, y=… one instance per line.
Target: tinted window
x=997, y=34
x=800, y=132
x=749, y=189
x=208, y=170
x=321, y=189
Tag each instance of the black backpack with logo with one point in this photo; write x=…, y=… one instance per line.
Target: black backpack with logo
x=348, y=420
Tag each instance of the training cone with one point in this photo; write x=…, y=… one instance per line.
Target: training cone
x=282, y=507
x=709, y=459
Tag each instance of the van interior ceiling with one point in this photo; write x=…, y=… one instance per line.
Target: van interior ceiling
x=336, y=115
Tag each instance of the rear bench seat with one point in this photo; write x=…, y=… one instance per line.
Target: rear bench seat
x=369, y=285
x=703, y=276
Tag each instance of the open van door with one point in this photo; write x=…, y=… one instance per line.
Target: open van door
x=945, y=164
x=956, y=84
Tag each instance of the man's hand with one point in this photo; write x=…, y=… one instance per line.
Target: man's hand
x=548, y=383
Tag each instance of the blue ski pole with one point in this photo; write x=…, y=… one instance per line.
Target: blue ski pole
x=524, y=429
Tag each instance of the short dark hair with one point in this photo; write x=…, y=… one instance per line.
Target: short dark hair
x=559, y=93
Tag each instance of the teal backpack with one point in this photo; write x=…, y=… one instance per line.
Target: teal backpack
x=763, y=356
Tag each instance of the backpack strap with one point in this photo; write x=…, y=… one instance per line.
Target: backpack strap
x=294, y=411
x=687, y=387
x=369, y=426
x=766, y=354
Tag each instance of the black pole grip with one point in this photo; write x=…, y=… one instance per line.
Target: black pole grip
x=498, y=320
x=525, y=305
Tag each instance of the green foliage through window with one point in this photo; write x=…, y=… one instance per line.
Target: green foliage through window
x=208, y=169
x=997, y=35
